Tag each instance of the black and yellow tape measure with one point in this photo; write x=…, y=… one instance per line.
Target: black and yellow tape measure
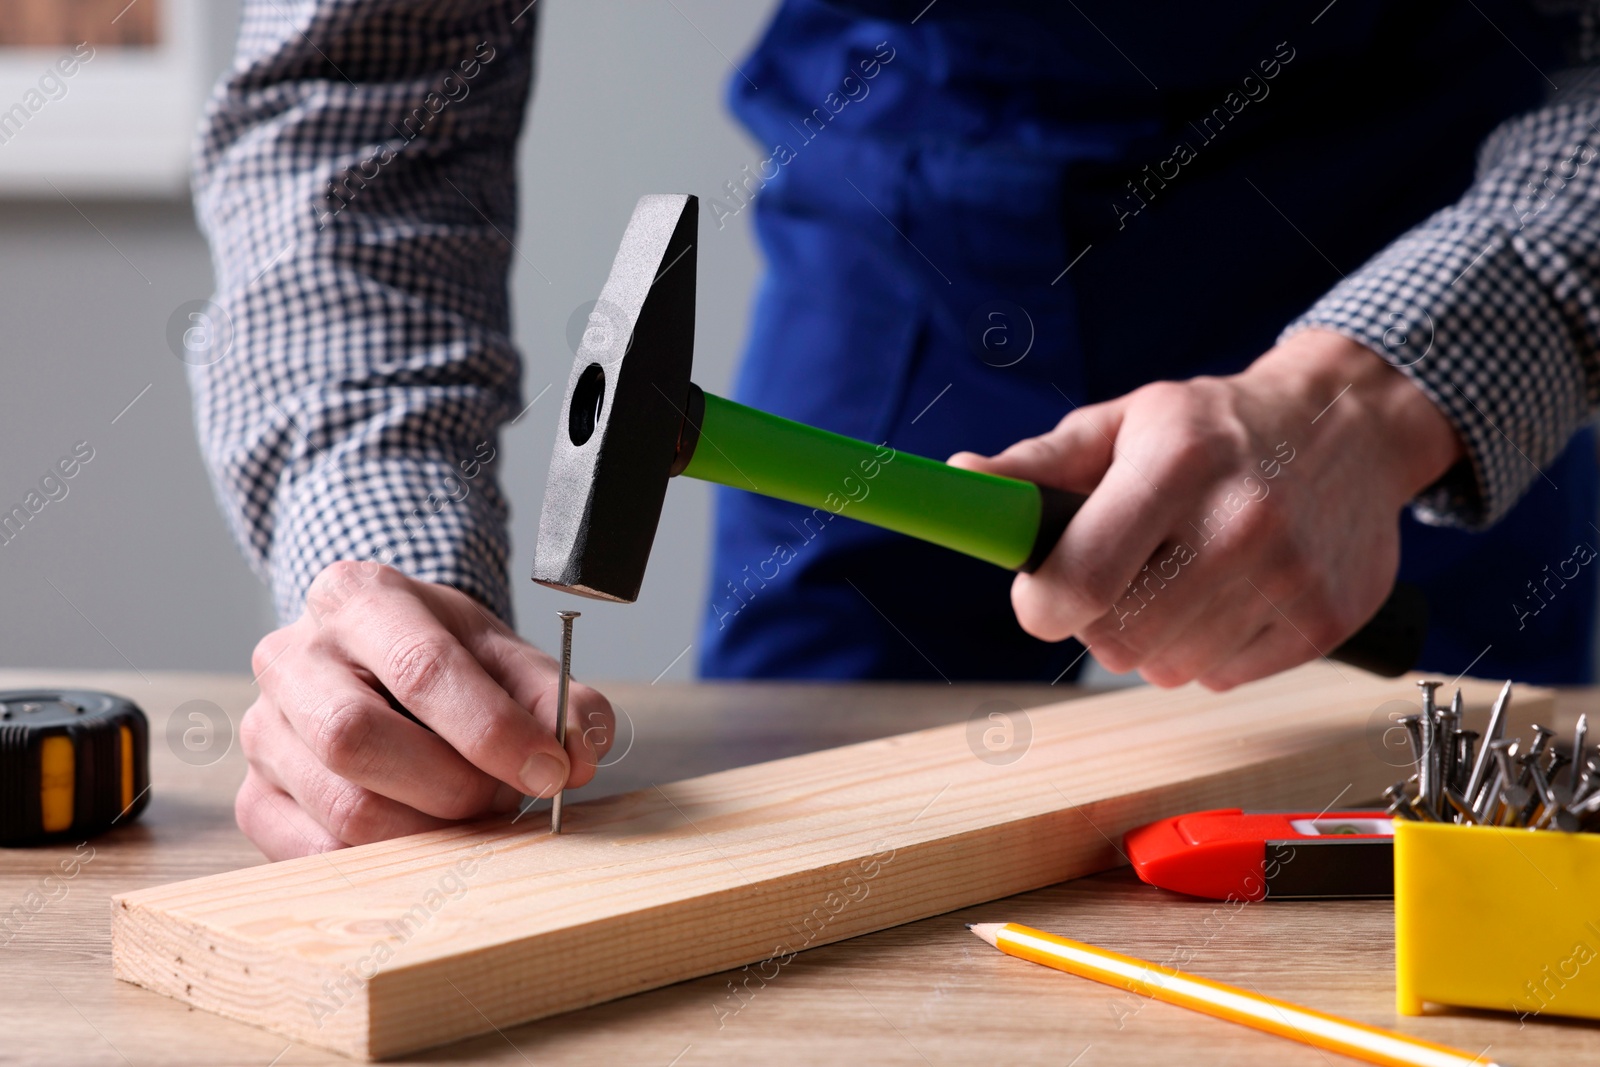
x=72, y=762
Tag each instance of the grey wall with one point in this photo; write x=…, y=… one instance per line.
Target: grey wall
x=134, y=565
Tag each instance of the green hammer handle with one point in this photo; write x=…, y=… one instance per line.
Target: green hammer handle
x=1005, y=521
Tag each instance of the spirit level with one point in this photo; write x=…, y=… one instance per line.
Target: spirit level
x=1228, y=854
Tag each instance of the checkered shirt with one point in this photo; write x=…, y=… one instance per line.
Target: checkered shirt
x=355, y=175
x=356, y=178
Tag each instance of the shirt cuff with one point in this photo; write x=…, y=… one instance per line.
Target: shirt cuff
x=433, y=519
x=1460, y=306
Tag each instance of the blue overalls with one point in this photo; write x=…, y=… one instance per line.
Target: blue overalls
x=974, y=222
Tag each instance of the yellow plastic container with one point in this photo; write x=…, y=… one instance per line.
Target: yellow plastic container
x=1507, y=920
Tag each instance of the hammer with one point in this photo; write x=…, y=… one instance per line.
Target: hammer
x=633, y=420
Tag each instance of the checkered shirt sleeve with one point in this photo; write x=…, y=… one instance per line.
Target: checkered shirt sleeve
x=355, y=175
x=1492, y=306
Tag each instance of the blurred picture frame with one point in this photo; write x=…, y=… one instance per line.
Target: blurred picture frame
x=99, y=97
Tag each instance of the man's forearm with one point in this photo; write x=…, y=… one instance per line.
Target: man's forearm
x=356, y=180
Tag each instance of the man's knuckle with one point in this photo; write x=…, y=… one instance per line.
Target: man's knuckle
x=251, y=731
x=1163, y=393
x=1035, y=613
x=343, y=581
x=335, y=582
x=349, y=812
x=1036, y=623
x=1166, y=674
x=340, y=573
x=1093, y=589
x=414, y=663
x=342, y=734
x=267, y=651
x=1119, y=652
x=249, y=805
x=387, y=576
x=1036, y=452
x=1193, y=454
x=1244, y=543
x=496, y=734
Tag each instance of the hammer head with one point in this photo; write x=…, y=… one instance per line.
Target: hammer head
x=626, y=403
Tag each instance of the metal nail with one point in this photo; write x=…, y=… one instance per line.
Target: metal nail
x=1466, y=743
x=561, y=705
x=1554, y=765
x=1399, y=803
x=1418, y=728
x=1431, y=763
x=1566, y=821
x=1505, y=776
x=1488, y=802
x=1586, y=781
x=1458, y=804
x=1580, y=738
x=1514, y=798
x=1543, y=801
x=1451, y=716
x=1542, y=736
x=1413, y=728
x=1497, y=726
x=1498, y=713
x=1399, y=809
x=1427, y=696
x=1450, y=761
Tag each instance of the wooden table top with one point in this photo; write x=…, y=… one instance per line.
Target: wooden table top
x=924, y=993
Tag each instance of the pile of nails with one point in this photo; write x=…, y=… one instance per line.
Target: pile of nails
x=1497, y=783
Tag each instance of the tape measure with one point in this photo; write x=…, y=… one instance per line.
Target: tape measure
x=72, y=762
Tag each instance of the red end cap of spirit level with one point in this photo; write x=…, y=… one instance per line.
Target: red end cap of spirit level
x=1228, y=854
x=1216, y=854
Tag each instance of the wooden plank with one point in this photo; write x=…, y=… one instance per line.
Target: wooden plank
x=397, y=946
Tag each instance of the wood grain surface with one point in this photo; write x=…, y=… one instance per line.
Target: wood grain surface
x=924, y=992
x=403, y=945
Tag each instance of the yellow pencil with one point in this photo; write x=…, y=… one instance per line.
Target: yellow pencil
x=1224, y=1001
